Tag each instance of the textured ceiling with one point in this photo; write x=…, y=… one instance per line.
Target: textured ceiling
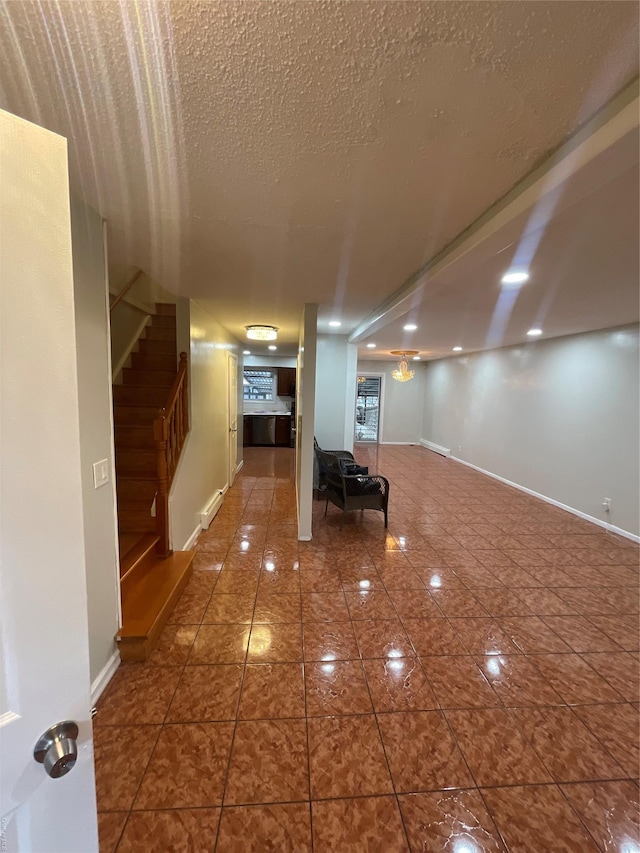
x=259, y=155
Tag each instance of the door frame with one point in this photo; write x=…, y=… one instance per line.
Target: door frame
x=372, y=374
x=232, y=371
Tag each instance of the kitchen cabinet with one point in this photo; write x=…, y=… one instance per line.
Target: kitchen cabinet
x=283, y=430
x=247, y=431
x=286, y=378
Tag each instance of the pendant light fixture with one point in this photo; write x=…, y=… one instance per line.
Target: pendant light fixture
x=262, y=333
x=402, y=373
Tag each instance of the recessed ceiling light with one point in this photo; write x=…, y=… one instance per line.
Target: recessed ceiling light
x=246, y=352
x=515, y=277
x=534, y=332
x=410, y=327
x=457, y=349
x=416, y=358
x=272, y=346
x=371, y=346
x=335, y=323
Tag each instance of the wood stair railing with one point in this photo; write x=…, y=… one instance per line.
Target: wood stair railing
x=170, y=430
x=148, y=445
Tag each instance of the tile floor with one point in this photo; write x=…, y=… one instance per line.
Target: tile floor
x=466, y=681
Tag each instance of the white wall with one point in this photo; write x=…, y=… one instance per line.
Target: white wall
x=402, y=402
x=96, y=432
x=336, y=361
x=559, y=417
x=203, y=468
x=305, y=419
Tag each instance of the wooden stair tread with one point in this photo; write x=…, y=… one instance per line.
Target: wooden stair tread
x=147, y=604
x=138, y=547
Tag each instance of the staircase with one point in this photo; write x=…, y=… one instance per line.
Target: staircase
x=151, y=577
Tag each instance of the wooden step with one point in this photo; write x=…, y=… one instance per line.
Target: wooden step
x=132, y=461
x=163, y=321
x=160, y=347
x=148, y=601
x=134, y=435
x=139, y=395
x=158, y=333
x=166, y=308
x=136, y=521
x=131, y=415
x=165, y=378
x=139, y=555
x=136, y=489
x=154, y=361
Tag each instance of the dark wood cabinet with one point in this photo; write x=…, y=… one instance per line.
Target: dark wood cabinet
x=247, y=431
x=286, y=379
x=283, y=430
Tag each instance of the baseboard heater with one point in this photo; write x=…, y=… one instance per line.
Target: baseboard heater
x=207, y=514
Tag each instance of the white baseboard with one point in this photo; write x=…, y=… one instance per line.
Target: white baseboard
x=437, y=448
x=191, y=541
x=610, y=527
x=305, y=538
x=238, y=467
x=105, y=675
x=398, y=443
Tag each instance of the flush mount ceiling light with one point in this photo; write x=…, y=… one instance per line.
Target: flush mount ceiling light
x=371, y=346
x=457, y=349
x=335, y=323
x=515, y=277
x=262, y=333
x=533, y=333
x=402, y=373
x=246, y=352
x=410, y=327
x=272, y=346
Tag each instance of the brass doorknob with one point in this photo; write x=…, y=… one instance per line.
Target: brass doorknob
x=57, y=749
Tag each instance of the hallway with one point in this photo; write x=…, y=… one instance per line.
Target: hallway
x=466, y=681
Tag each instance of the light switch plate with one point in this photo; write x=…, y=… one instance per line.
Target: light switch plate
x=100, y=473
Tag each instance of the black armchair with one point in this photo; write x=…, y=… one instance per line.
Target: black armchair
x=352, y=491
x=344, y=455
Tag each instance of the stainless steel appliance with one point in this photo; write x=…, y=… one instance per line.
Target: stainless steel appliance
x=264, y=429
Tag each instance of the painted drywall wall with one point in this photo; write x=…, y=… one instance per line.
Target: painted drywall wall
x=559, y=417
x=305, y=419
x=127, y=323
x=336, y=361
x=402, y=402
x=96, y=432
x=203, y=468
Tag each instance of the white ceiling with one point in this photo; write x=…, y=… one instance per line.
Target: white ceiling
x=258, y=156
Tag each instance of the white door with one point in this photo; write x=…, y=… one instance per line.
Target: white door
x=44, y=663
x=232, y=405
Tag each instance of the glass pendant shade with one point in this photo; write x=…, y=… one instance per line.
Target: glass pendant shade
x=402, y=372
x=262, y=333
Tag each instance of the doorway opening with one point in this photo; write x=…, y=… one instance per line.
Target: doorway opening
x=368, y=408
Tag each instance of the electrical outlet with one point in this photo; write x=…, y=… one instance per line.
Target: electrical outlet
x=606, y=503
x=100, y=473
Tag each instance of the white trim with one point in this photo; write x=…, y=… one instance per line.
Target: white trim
x=112, y=441
x=238, y=467
x=609, y=527
x=191, y=541
x=105, y=675
x=399, y=443
x=305, y=538
x=130, y=347
x=437, y=448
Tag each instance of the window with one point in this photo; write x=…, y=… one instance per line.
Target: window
x=259, y=384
